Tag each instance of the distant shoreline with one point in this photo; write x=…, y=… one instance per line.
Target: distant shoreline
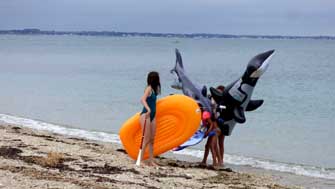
x=148, y=34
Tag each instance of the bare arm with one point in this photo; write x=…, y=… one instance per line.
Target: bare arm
x=144, y=98
x=211, y=127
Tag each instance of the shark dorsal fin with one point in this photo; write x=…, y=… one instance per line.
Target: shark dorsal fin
x=179, y=60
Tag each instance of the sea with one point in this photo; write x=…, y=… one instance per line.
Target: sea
x=88, y=86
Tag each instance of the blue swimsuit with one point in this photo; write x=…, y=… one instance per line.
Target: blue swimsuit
x=151, y=101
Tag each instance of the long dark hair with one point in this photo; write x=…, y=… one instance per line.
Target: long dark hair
x=153, y=81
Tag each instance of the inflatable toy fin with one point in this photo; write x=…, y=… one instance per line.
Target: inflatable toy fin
x=179, y=62
x=253, y=105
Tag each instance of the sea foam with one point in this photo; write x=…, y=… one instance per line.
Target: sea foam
x=39, y=125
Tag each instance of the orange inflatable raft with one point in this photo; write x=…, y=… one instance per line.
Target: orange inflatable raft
x=177, y=117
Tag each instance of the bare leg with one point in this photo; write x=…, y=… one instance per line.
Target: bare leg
x=216, y=153
x=151, y=142
x=146, y=138
x=221, y=145
x=213, y=151
x=207, y=147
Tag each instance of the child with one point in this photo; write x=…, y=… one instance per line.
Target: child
x=223, y=128
x=147, y=119
x=212, y=142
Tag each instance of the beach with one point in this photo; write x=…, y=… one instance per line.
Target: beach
x=86, y=87
x=74, y=73
x=39, y=159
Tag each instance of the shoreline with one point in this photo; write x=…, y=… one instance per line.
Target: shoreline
x=283, y=178
x=34, y=158
x=286, y=179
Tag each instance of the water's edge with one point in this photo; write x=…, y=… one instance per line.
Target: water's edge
x=304, y=170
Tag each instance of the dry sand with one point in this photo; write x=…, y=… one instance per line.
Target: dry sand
x=38, y=159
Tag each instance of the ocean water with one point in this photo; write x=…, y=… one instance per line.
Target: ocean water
x=88, y=86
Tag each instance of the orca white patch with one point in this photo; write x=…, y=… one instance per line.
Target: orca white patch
x=236, y=93
x=257, y=73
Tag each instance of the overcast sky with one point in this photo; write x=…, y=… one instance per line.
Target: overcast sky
x=280, y=17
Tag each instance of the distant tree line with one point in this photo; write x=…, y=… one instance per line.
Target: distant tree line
x=34, y=31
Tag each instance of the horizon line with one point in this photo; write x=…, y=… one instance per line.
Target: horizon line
x=153, y=34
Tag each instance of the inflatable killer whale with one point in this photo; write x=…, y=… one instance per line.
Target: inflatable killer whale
x=187, y=86
x=236, y=97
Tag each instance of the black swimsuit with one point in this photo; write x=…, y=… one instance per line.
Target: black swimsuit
x=151, y=101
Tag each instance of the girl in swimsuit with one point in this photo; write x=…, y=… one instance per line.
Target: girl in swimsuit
x=212, y=142
x=148, y=114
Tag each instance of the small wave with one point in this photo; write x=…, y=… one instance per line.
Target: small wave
x=33, y=124
x=304, y=170
x=311, y=171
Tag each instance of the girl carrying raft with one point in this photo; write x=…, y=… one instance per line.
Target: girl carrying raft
x=147, y=118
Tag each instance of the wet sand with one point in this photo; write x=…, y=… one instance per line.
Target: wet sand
x=39, y=159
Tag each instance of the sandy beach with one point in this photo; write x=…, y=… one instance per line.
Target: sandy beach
x=38, y=159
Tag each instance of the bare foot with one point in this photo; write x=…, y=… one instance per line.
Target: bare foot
x=152, y=163
x=220, y=165
x=223, y=168
x=203, y=165
x=143, y=164
x=214, y=167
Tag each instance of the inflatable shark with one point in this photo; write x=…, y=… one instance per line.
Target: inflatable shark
x=187, y=86
x=236, y=97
